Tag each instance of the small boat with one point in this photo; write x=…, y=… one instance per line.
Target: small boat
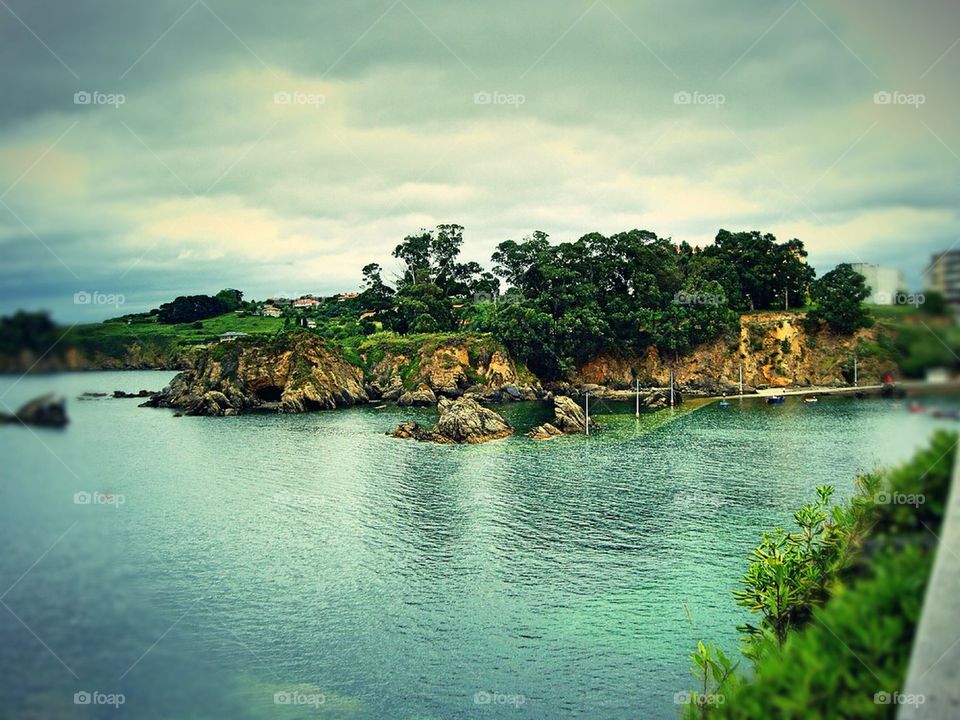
x=776, y=400
x=811, y=399
x=724, y=403
x=915, y=407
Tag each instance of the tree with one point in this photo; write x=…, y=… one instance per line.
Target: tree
x=768, y=273
x=27, y=331
x=839, y=297
x=190, y=308
x=377, y=296
x=230, y=298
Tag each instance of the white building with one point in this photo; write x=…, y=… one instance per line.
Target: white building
x=884, y=283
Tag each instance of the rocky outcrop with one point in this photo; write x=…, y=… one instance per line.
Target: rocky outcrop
x=121, y=394
x=775, y=348
x=568, y=417
x=421, y=395
x=660, y=399
x=461, y=421
x=547, y=431
x=45, y=411
x=449, y=366
x=295, y=372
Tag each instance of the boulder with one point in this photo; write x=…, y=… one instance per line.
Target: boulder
x=660, y=399
x=422, y=395
x=568, y=415
x=461, y=421
x=545, y=432
x=45, y=411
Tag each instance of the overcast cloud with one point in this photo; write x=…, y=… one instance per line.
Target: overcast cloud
x=278, y=147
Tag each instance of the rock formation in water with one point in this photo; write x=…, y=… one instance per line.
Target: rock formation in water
x=294, y=372
x=462, y=420
x=45, y=411
x=568, y=417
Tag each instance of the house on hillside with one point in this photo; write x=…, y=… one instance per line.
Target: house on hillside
x=232, y=335
x=346, y=296
x=271, y=311
x=368, y=314
x=305, y=303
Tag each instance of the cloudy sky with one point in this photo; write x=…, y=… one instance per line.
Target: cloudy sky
x=151, y=148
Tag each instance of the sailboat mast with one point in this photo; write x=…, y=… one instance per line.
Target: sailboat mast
x=638, y=397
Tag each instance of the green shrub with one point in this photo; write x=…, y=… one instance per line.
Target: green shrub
x=839, y=600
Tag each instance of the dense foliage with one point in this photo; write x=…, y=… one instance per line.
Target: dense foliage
x=839, y=601
x=631, y=290
x=33, y=331
x=839, y=297
x=190, y=308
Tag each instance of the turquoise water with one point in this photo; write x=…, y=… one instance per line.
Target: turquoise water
x=237, y=558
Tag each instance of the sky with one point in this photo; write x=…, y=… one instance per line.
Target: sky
x=155, y=148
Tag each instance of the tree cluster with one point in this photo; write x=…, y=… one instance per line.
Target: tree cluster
x=191, y=308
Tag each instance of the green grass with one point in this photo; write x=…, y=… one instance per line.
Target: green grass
x=185, y=333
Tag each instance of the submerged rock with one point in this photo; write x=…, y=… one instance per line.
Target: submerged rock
x=45, y=411
x=461, y=421
x=120, y=394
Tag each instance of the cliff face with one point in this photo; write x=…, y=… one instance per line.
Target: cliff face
x=473, y=365
x=775, y=349
x=296, y=372
x=136, y=356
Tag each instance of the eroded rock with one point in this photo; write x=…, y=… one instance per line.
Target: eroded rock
x=45, y=411
x=462, y=420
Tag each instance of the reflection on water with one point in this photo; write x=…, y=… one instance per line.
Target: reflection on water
x=259, y=564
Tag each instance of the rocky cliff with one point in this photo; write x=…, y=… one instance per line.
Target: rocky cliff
x=64, y=358
x=294, y=372
x=774, y=347
x=416, y=370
